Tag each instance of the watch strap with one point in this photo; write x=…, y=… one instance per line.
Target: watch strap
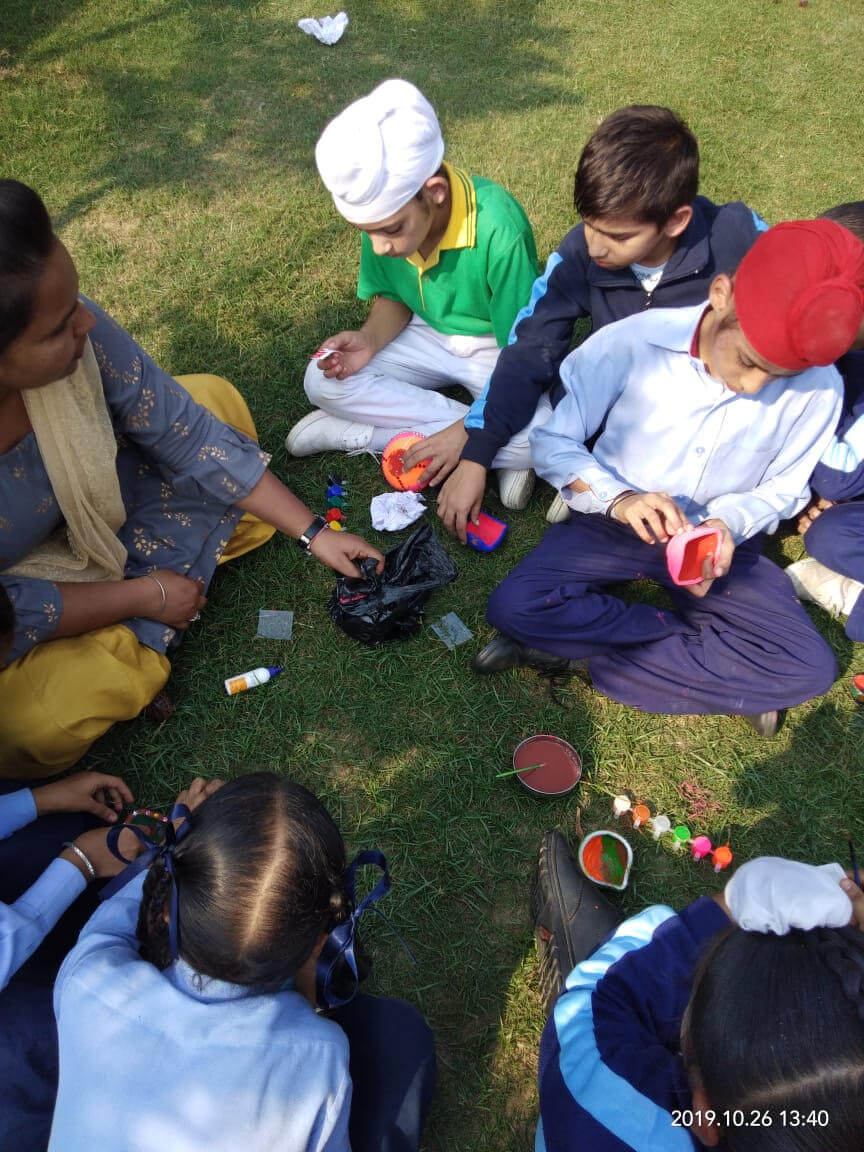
x=306, y=538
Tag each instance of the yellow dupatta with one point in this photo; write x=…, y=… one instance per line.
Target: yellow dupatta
x=76, y=441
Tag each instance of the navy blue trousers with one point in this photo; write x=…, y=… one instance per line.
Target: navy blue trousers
x=28, y=1033
x=392, y=1072
x=836, y=539
x=748, y=646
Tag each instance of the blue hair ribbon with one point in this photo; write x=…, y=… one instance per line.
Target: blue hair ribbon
x=165, y=852
x=339, y=947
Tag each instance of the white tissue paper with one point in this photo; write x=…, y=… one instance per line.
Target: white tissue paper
x=394, y=510
x=327, y=29
x=774, y=895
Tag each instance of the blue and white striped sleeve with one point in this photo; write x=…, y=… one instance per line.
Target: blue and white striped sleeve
x=610, y=1070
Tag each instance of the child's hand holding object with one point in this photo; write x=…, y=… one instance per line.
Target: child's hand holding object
x=653, y=516
x=443, y=450
x=344, y=354
x=716, y=565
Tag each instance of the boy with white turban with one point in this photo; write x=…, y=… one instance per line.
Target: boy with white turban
x=448, y=261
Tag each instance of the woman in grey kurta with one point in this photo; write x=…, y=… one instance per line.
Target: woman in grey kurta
x=181, y=471
x=86, y=654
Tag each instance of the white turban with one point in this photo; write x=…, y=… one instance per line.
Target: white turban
x=774, y=895
x=380, y=151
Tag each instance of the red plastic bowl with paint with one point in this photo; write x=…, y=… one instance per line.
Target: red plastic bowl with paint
x=561, y=767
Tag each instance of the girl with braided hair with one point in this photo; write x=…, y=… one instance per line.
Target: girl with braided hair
x=737, y=1023
x=187, y=1011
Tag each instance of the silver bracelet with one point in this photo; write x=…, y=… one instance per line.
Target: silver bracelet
x=160, y=586
x=81, y=856
x=613, y=504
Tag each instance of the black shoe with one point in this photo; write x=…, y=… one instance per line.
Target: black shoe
x=766, y=724
x=504, y=652
x=571, y=916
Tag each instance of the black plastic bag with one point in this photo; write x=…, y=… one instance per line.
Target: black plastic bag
x=375, y=608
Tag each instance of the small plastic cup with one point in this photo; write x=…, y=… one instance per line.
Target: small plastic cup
x=606, y=859
x=685, y=554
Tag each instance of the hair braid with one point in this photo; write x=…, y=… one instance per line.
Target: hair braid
x=842, y=951
x=153, y=931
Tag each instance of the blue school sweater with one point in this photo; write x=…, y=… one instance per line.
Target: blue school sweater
x=26, y=923
x=573, y=286
x=171, y=1061
x=611, y=1074
x=839, y=475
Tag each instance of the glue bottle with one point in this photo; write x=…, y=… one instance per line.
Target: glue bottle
x=250, y=679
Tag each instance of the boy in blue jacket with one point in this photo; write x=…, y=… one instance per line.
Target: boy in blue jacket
x=833, y=574
x=646, y=240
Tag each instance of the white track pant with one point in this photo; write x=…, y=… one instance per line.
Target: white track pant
x=398, y=388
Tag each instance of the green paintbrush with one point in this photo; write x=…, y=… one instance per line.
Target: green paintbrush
x=518, y=771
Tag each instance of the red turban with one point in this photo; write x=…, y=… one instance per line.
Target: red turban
x=799, y=293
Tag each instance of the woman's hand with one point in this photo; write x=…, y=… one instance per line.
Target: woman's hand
x=352, y=351
x=339, y=550
x=184, y=598
x=94, y=792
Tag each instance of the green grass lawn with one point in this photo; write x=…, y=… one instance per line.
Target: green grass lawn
x=173, y=140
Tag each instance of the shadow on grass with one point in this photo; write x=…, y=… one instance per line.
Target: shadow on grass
x=201, y=90
x=812, y=800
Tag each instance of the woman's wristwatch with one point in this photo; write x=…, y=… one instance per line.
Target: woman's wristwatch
x=306, y=538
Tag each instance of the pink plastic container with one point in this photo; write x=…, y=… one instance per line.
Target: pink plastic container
x=685, y=554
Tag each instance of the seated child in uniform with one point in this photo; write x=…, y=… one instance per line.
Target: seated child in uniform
x=448, y=260
x=715, y=414
x=52, y=849
x=735, y=1023
x=833, y=526
x=646, y=241
x=186, y=1013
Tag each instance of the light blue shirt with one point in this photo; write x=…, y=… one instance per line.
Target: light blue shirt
x=671, y=427
x=171, y=1061
x=26, y=923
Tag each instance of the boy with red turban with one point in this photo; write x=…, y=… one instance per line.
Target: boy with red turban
x=715, y=414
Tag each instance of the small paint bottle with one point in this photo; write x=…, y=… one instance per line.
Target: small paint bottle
x=250, y=680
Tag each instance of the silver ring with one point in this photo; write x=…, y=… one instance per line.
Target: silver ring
x=197, y=616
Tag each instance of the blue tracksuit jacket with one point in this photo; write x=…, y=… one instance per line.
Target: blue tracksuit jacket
x=840, y=473
x=611, y=1073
